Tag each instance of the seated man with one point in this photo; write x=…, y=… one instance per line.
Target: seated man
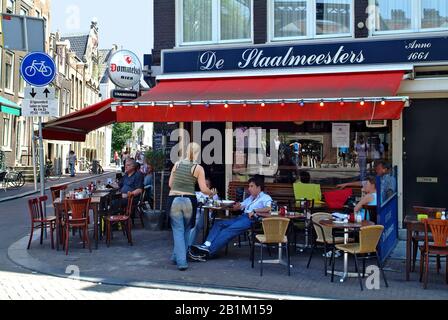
x=224, y=231
x=132, y=181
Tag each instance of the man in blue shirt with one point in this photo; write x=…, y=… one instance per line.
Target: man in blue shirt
x=132, y=181
x=224, y=231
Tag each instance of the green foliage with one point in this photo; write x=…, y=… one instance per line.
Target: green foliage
x=120, y=134
x=156, y=158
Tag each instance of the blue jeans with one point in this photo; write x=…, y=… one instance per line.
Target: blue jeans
x=362, y=168
x=72, y=169
x=224, y=231
x=181, y=214
x=197, y=228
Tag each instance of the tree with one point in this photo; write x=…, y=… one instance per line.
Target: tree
x=120, y=134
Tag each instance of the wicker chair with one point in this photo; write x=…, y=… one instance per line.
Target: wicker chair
x=274, y=233
x=368, y=242
x=324, y=236
x=439, y=247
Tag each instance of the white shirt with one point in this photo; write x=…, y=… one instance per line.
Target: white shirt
x=262, y=201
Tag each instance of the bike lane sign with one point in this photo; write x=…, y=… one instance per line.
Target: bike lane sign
x=38, y=69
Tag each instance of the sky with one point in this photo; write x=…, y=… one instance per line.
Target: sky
x=126, y=23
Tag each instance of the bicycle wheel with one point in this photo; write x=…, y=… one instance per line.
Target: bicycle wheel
x=54, y=176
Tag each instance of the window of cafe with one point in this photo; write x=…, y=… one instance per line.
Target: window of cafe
x=331, y=152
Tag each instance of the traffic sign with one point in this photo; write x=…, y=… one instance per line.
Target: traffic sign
x=40, y=102
x=38, y=69
x=42, y=93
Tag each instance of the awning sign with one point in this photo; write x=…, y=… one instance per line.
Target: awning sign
x=348, y=53
x=341, y=135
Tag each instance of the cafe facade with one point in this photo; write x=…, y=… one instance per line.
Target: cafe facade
x=320, y=73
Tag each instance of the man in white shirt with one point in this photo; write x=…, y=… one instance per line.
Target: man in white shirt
x=224, y=231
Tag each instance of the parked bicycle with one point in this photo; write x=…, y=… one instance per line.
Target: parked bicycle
x=11, y=179
x=51, y=173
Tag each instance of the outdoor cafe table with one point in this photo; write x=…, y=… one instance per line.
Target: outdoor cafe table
x=292, y=216
x=346, y=227
x=412, y=224
x=207, y=210
x=95, y=204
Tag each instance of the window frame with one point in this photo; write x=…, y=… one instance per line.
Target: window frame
x=7, y=135
x=311, y=24
x=11, y=89
x=14, y=3
x=216, y=27
x=416, y=22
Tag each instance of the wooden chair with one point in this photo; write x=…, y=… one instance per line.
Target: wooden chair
x=79, y=218
x=365, y=249
x=141, y=206
x=438, y=247
x=324, y=236
x=274, y=234
x=417, y=237
x=39, y=221
x=56, y=191
x=124, y=221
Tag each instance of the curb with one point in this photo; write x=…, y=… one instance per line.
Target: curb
x=29, y=193
x=20, y=256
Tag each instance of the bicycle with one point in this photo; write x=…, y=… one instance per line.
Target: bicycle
x=95, y=167
x=38, y=67
x=11, y=178
x=51, y=173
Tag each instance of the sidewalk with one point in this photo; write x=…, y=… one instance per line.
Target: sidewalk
x=28, y=188
x=147, y=264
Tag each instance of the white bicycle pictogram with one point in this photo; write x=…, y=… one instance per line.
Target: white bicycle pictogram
x=38, y=67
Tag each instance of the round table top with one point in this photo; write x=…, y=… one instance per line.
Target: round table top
x=349, y=225
x=290, y=215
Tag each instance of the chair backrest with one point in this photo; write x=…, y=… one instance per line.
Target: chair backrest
x=129, y=206
x=337, y=198
x=275, y=229
x=36, y=208
x=307, y=191
x=369, y=238
x=430, y=211
x=439, y=230
x=79, y=208
x=56, y=191
x=324, y=234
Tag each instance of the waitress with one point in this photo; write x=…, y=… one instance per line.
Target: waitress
x=182, y=201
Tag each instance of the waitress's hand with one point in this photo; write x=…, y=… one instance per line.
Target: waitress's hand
x=214, y=192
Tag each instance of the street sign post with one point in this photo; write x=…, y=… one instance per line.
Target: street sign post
x=39, y=70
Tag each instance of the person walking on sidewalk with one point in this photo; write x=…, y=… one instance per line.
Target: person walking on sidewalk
x=72, y=162
x=182, y=202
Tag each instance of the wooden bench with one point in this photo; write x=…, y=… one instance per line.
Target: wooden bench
x=283, y=193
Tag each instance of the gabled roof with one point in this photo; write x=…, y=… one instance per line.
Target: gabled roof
x=78, y=44
x=105, y=55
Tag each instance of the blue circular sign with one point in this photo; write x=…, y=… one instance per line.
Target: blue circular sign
x=38, y=69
